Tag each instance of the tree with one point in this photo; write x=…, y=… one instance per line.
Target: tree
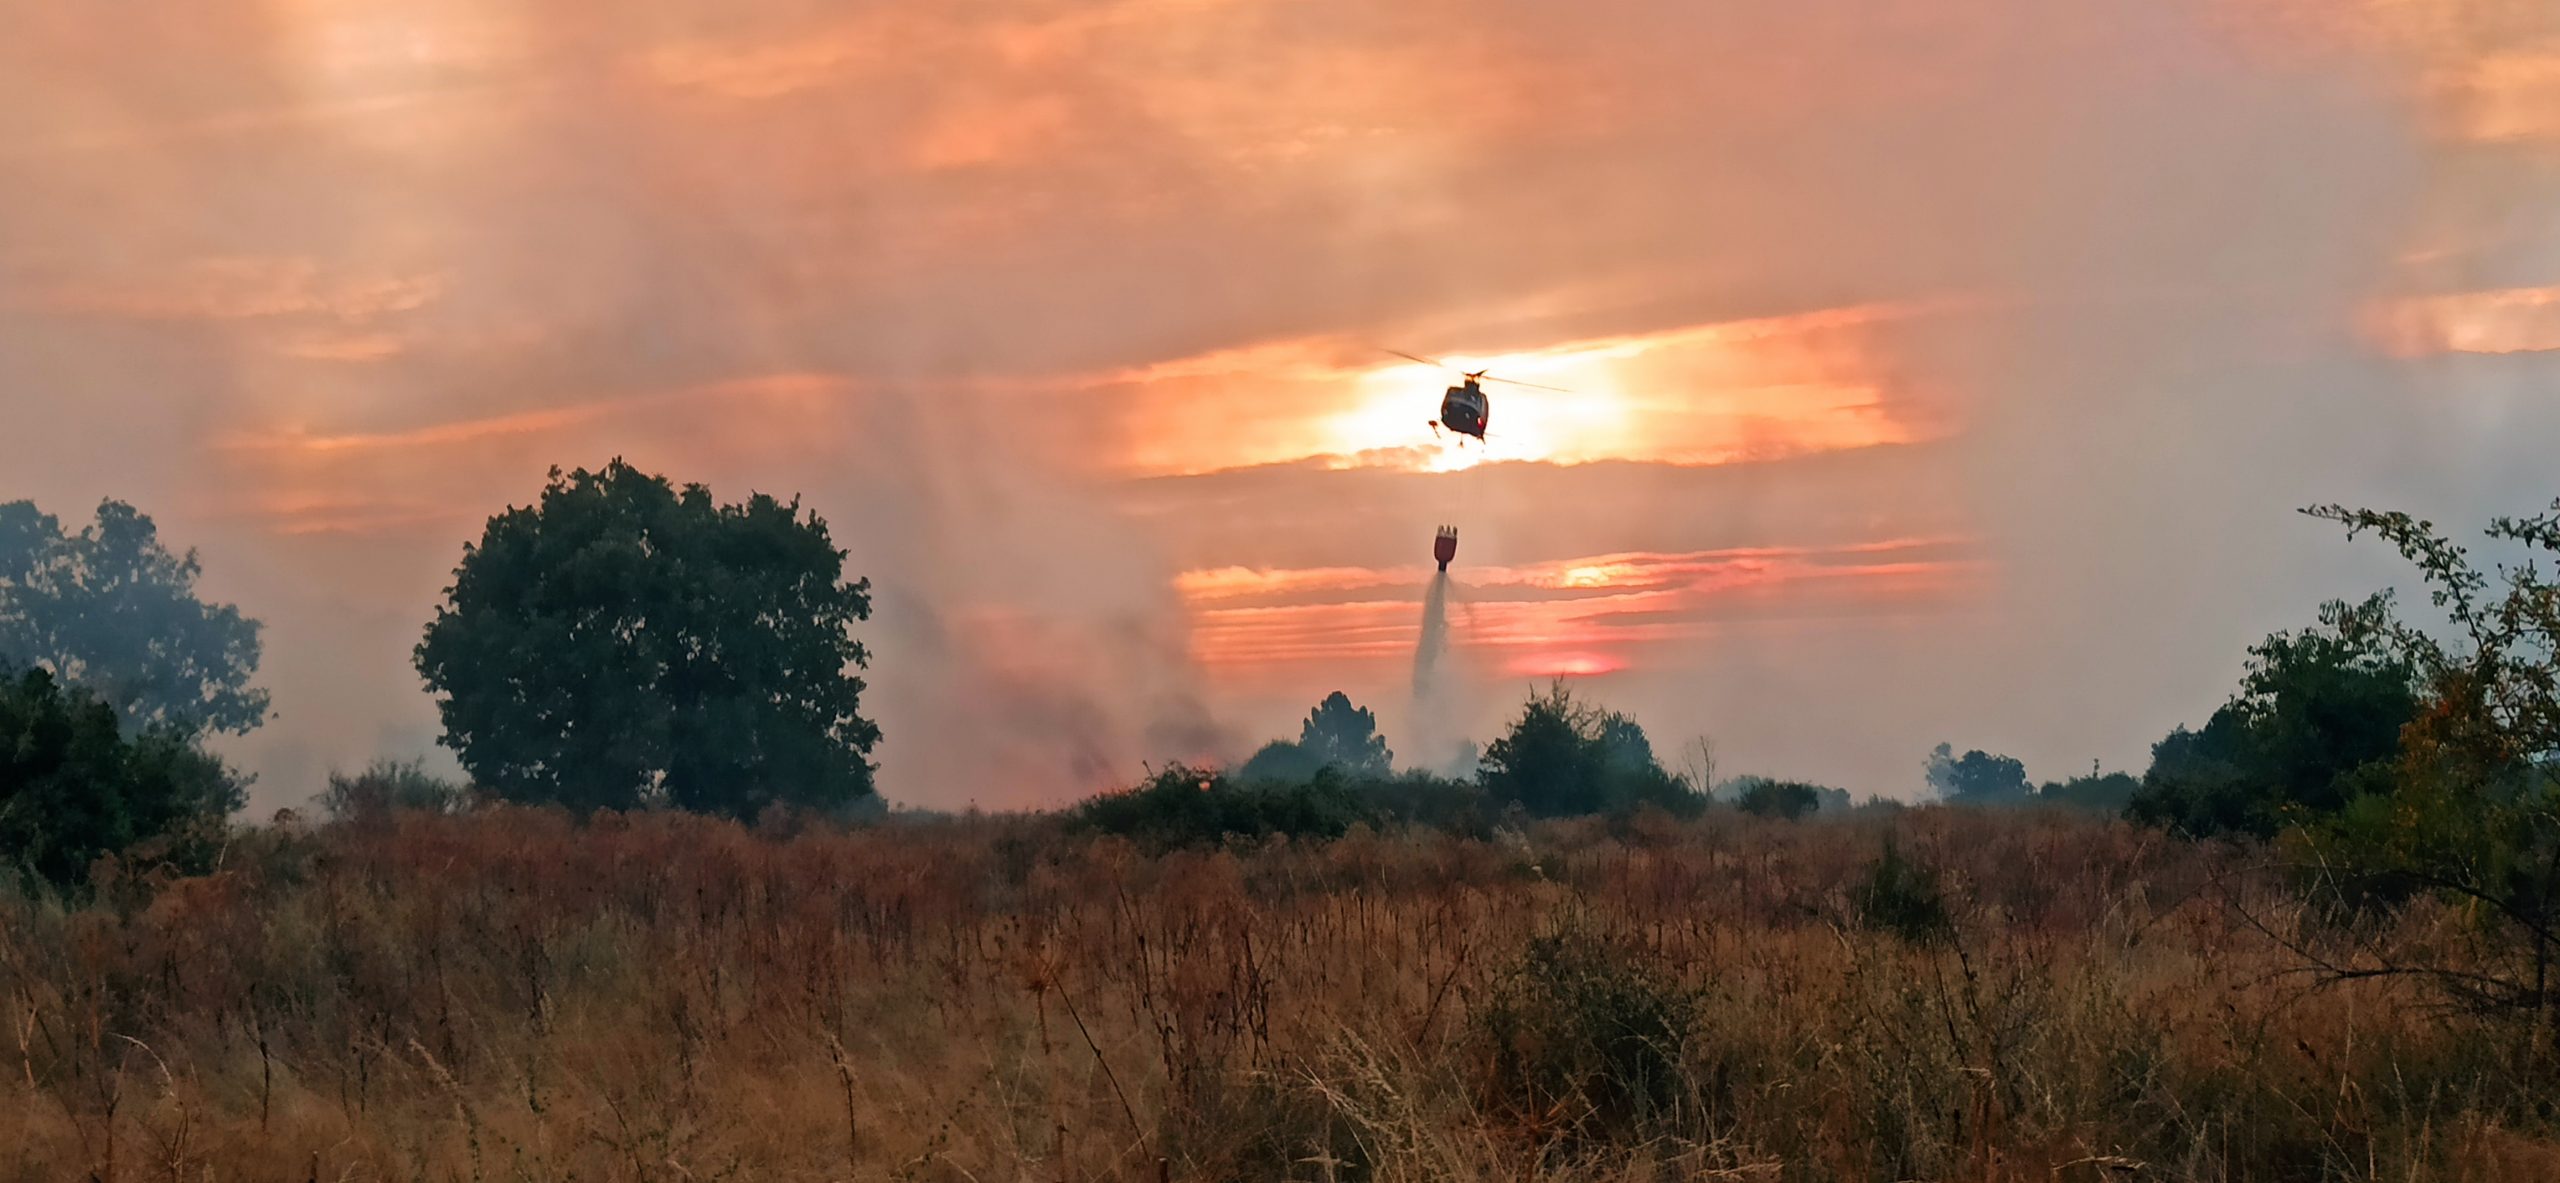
x=1346, y=737
x=1978, y=778
x=1281, y=762
x=112, y=610
x=1562, y=757
x=2316, y=723
x=2467, y=807
x=74, y=785
x=2103, y=792
x=1784, y=800
x=624, y=643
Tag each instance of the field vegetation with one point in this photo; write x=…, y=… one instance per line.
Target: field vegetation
x=1935, y=993
x=668, y=932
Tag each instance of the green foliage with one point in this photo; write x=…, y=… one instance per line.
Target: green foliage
x=1185, y=806
x=1336, y=735
x=1584, y=1039
x=1902, y=897
x=1976, y=778
x=111, y=610
x=2317, y=722
x=1281, y=762
x=623, y=643
x=2470, y=810
x=1783, y=799
x=74, y=786
x=1562, y=758
x=1339, y=734
x=389, y=785
x=2109, y=792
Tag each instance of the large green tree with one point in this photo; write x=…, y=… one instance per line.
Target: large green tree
x=76, y=784
x=1564, y=757
x=113, y=611
x=2316, y=723
x=1344, y=736
x=625, y=643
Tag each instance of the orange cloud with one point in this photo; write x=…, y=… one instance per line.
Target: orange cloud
x=1762, y=388
x=1588, y=613
x=546, y=421
x=2503, y=98
x=245, y=288
x=2517, y=320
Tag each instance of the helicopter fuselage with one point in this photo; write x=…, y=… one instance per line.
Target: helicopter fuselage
x=1464, y=410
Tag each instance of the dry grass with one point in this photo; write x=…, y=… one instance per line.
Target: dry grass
x=508, y=996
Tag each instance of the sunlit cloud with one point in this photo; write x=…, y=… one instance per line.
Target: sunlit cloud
x=1586, y=613
x=549, y=420
x=2517, y=320
x=243, y=289
x=2503, y=97
x=1704, y=394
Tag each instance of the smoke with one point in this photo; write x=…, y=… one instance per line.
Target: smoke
x=323, y=286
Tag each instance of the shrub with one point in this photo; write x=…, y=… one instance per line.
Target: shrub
x=72, y=787
x=2316, y=724
x=1902, y=897
x=1563, y=758
x=388, y=785
x=1185, y=806
x=1583, y=1040
x=1786, y=800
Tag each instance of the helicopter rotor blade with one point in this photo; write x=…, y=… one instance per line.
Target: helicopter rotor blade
x=1431, y=362
x=1517, y=382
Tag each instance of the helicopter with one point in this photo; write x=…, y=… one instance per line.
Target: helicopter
x=1465, y=408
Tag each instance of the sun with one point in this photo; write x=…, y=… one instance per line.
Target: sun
x=1585, y=418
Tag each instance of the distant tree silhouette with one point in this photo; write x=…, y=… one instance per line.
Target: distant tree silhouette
x=1786, y=800
x=1977, y=778
x=2105, y=792
x=75, y=784
x=1281, y=762
x=1562, y=757
x=111, y=610
x=1345, y=736
x=624, y=643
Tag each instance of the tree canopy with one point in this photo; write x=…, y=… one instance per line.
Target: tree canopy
x=1977, y=777
x=1562, y=757
x=74, y=784
x=1344, y=736
x=113, y=611
x=623, y=642
x=2316, y=722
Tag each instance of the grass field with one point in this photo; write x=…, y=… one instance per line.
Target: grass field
x=505, y=995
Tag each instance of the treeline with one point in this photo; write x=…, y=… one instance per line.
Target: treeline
x=626, y=644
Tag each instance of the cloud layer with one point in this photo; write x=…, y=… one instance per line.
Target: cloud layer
x=1938, y=371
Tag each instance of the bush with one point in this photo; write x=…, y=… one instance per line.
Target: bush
x=1563, y=758
x=388, y=785
x=2108, y=792
x=1281, y=762
x=2316, y=724
x=1786, y=800
x=73, y=788
x=1185, y=806
x=1584, y=1041
x=1902, y=897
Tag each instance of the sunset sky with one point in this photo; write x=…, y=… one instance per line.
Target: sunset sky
x=1939, y=370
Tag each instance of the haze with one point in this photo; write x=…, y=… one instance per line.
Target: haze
x=1940, y=371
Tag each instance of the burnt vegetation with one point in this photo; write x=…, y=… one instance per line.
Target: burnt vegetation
x=664, y=930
